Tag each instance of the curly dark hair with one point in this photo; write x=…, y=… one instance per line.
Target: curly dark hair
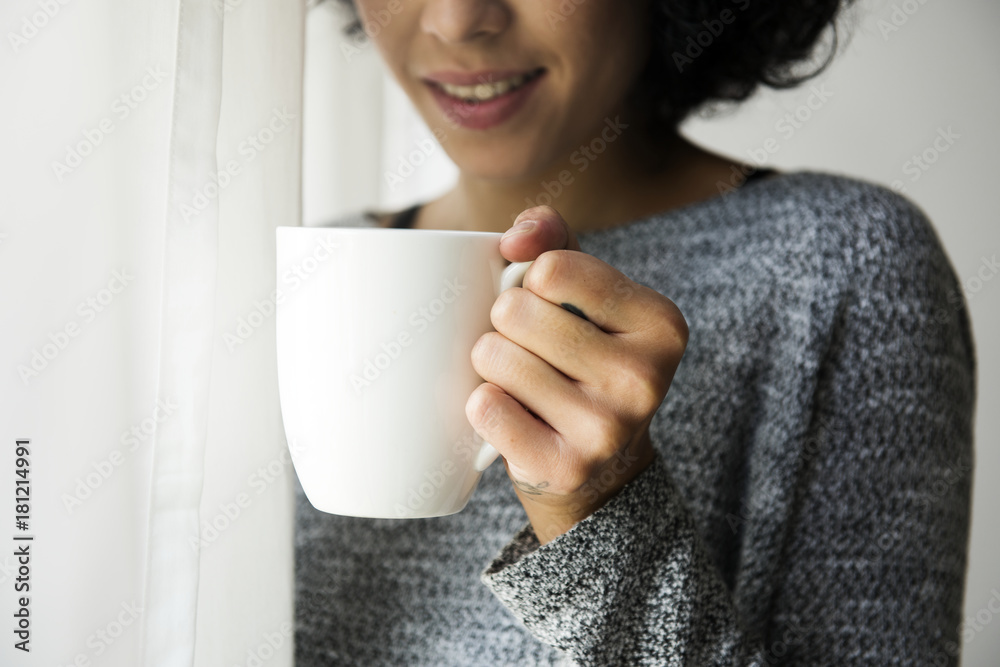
x=708, y=52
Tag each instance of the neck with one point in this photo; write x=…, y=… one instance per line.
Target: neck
x=629, y=179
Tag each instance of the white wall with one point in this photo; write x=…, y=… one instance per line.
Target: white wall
x=892, y=90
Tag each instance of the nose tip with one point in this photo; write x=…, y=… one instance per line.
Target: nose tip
x=455, y=21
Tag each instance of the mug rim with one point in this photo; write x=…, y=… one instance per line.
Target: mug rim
x=368, y=230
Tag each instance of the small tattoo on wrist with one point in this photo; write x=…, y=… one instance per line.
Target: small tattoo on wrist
x=531, y=489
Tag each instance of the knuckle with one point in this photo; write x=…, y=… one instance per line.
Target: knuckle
x=609, y=306
x=547, y=271
x=572, y=334
x=607, y=433
x=573, y=469
x=482, y=409
x=539, y=209
x=650, y=398
x=624, y=288
x=506, y=307
x=681, y=330
x=577, y=478
x=600, y=318
x=673, y=324
x=643, y=386
x=486, y=352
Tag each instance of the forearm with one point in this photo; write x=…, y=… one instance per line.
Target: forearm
x=551, y=516
x=630, y=584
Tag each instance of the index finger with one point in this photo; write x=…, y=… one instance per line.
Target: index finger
x=593, y=289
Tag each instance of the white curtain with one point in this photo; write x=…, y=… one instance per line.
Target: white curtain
x=359, y=126
x=147, y=152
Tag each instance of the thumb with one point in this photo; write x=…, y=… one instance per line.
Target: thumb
x=536, y=230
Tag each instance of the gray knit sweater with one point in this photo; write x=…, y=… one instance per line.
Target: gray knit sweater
x=809, y=503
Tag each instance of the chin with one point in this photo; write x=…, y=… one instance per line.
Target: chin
x=481, y=160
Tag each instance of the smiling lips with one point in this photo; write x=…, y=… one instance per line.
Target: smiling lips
x=483, y=86
x=479, y=100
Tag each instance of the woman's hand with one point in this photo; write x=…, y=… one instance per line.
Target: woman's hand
x=568, y=402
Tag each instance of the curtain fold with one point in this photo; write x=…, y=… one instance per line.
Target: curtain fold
x=149, y=151
x=245, y=601
x=190, y=266
x=361, y=129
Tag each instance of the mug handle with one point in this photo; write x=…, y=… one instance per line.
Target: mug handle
x=512, y=276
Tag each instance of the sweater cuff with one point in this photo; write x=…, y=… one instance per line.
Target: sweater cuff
x=564, y=591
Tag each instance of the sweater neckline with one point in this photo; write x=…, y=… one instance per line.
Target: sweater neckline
x=405, y=218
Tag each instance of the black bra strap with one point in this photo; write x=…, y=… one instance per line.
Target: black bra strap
x=405, y=218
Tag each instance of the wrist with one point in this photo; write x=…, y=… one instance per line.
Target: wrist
x=552, y=515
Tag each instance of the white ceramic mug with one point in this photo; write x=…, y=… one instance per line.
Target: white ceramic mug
x=375, y=329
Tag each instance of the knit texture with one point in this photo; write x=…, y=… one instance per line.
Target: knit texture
x=809, y=503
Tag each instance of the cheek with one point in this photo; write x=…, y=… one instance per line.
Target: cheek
x=603, y=41
x=385, y=25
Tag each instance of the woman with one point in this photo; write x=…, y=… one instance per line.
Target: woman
x=795, y=491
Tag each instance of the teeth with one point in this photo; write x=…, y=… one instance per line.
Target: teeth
x=485, y=91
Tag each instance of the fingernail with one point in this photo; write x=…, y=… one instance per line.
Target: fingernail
x=519, y=228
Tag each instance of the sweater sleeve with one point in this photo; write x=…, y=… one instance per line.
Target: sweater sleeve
x=630, y=584
x=871, y=568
